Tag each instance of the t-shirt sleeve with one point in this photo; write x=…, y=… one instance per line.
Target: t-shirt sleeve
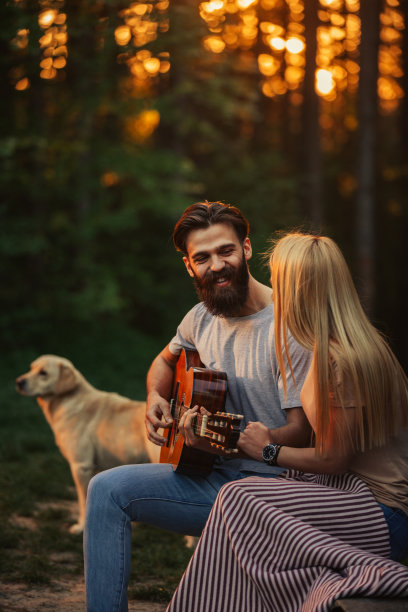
x=184, y=337
x=301, y=360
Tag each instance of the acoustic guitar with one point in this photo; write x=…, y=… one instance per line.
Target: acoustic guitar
x=193, y=384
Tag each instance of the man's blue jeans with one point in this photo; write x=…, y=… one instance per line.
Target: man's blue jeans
x=149, y=493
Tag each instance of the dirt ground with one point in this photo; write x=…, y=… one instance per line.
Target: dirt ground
x=63, y=596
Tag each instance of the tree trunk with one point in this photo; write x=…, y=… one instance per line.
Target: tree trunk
x=367, y=116
x=401, y=325
x=311, y=153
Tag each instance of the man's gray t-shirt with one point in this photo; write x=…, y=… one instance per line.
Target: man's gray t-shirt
x=244, y=348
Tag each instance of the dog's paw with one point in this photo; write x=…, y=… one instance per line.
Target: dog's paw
x=76, y=529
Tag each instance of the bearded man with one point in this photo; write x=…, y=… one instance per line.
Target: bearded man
x=232, y=329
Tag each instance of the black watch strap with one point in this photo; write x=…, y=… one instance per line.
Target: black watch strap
x=274, y=460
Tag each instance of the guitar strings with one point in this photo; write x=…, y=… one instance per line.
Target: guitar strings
x=199, y=418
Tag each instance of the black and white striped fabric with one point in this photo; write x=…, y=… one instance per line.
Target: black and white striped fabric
x=293, y=543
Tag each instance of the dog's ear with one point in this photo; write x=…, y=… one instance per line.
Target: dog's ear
x=67, y=380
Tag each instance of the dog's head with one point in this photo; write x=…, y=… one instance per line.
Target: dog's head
x=49, y=375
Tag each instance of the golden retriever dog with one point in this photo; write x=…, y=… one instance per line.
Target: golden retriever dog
x=94, y=430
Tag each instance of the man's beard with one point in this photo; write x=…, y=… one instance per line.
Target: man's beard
x=224, y=301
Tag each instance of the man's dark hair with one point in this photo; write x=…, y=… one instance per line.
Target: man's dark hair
x=204, y=214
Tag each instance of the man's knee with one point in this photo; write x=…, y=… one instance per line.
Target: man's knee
x=96, y=488
x=103, y=486
x=120, y=485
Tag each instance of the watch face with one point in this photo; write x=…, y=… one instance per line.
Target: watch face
x=269, y=452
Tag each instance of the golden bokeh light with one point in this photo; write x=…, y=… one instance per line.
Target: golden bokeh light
x=267, y=89
x=142, y=23
x=295, y=59
x=143, y=55
x=21, y=40
x=390, y=59
x=337, y=33
x=268, y=5
x=46, y=18
x=390, y=35
x=140, y=8
x=123, y=35
x=46, y=40
x=338, y=41
x=353, y=6
x=336, y=19
x=279, y=86
x=140, y=128
x=48, y=73
x=388, y=89
x=295, y=45
x=53, y=43
x=268, y=35
x=59, y=63
x=151, y=65
x=46, y=63
x=244, y=4
x=109, y=178
x=293, y=76
x=214, y=6
x=214, y=44
x=164, y=66
x=231, y=37
x=333, y=4
x=22, y=84
x=324, y=81
x=267, y=27
x=277, y=43
x=267, y=64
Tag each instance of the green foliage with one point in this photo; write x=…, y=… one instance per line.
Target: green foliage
x=88, y=209
x=87, y=221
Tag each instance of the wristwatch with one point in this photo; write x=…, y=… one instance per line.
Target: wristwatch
x=270, y=453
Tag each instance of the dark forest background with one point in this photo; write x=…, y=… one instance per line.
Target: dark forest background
x=117, y=115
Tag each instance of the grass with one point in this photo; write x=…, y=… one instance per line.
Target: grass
x=34, y=475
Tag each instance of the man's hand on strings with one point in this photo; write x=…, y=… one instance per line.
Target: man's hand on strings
x=186, y=427
x=158, y=416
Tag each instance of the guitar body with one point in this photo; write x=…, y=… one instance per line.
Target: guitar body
x=193, y=385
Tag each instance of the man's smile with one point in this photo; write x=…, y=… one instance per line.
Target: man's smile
x=222, y=281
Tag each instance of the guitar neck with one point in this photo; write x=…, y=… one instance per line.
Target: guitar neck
x=222, y=429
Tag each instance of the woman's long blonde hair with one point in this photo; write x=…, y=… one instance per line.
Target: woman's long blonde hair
x=315, y=299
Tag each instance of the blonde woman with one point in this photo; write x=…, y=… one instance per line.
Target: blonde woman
x=329, y=525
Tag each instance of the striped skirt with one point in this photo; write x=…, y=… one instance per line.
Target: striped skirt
x=293, y=543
